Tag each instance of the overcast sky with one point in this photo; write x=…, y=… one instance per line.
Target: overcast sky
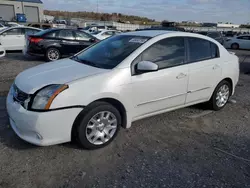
x=236, y=11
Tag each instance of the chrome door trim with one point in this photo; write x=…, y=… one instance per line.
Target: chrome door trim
x=198, y=90
x=160, y=99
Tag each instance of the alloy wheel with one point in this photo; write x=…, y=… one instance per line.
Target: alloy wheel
x=53, y=55
x=101, y=127
x=222, y=95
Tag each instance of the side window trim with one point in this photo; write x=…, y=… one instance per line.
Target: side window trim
x=133, y=64
x=205, y=59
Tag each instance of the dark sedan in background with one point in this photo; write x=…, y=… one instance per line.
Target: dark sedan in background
x=213, y=34
x=56, y=43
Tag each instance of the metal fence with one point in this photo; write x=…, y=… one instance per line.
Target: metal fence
x=119, y=26
x=216, y=29
x=128, y=26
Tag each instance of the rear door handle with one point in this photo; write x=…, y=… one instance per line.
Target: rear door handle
x=216, y=67
x=181, y=75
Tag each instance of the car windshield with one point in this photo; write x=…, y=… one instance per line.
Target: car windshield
x=109, y=53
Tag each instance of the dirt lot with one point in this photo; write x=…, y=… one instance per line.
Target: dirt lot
x=186, y=148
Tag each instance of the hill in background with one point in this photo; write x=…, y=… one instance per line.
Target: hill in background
x=101, y=16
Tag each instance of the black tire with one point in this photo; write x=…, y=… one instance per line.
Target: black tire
x=235, y=46
x=49, y=50
x=212, y=102
x=85, y=116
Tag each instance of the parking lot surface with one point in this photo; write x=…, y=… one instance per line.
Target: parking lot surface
x=191, y=147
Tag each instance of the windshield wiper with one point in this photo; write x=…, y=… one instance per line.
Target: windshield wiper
x=76, y=58
x=86, y=62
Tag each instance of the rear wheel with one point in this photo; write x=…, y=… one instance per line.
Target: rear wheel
x=221, y=95
x=52, y=54
x=235, y=46
x=98, y=125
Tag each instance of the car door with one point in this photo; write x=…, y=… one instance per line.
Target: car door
x=243, y=42
x=84, y=40
x=204, y=69
x=165, y=88
x=69, y=44
x=248, y=43
x=13, y=39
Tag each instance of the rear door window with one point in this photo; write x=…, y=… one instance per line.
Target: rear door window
x=198, y=49
x=66, y=34
x=214, y=50
x=52, y=34
x=82, y=36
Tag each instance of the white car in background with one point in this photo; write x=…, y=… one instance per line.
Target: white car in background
x=238, y=42
x=14, y=24
x=124, y=78
x=13, y=38
x=2, y=27
x=2, y=51
x=101, y=35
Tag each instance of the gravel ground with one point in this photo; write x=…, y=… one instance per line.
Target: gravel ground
x=190, y=147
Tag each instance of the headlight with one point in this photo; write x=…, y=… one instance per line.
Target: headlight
x=45, y=96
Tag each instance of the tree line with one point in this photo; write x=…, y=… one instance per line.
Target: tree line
x=100, y=16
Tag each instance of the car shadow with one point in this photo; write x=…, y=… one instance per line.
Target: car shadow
x=18, y=55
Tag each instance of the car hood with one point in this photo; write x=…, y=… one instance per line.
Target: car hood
x=58, y=72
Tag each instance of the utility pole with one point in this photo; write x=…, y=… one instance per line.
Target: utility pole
x=22, y=7
x=97, y=6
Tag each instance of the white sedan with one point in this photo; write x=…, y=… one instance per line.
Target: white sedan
x=2, y=51
x=2, y=26
x=127, y=77
x=13, y=38
x=101, y=35
x=238, y=42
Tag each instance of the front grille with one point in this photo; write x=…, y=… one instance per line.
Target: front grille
x=19, y=95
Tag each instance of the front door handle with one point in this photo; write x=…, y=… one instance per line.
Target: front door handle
x=181, y=75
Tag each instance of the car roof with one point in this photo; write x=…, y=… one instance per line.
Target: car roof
x=149, y=33
x=17, y=27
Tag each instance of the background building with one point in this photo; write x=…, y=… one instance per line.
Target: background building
x=33, y=9
x=227, y=25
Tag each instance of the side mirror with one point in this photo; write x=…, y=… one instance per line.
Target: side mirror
x=4, y=34
x=146, y=66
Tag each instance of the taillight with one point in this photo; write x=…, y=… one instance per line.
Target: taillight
x=35, y=40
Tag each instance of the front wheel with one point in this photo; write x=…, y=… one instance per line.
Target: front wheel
x=52, y=54
x=98, y=126
x=220, y=96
